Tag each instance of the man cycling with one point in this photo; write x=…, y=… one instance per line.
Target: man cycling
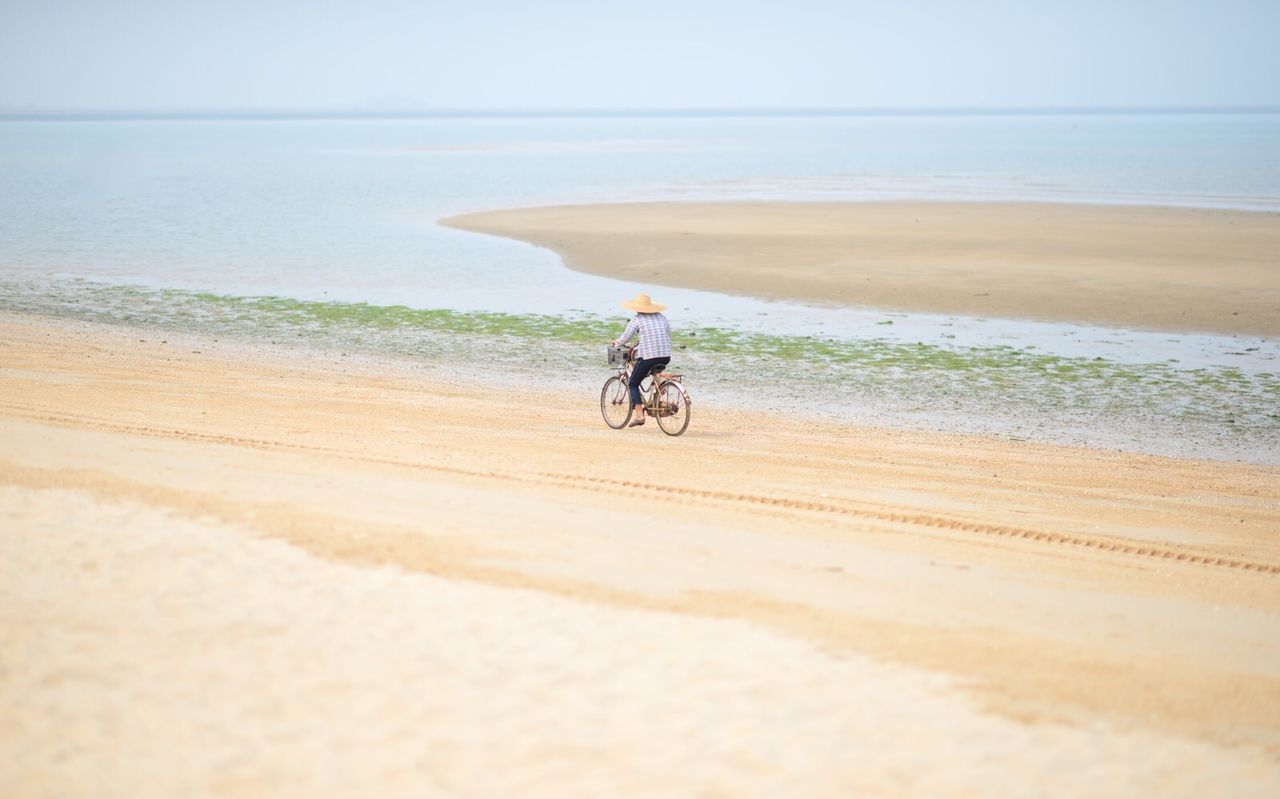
x=654, y=350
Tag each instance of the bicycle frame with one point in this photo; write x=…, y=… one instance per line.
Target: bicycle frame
x=648, y=396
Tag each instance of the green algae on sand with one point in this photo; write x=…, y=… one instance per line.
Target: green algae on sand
x=913, y=375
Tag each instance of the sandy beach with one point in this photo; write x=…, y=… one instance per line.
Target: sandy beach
x=241, y=572
x=320, y=477
x=1177, y=269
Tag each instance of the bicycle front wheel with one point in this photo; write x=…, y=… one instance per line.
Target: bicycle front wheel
x=672, y=409
x=615, y=403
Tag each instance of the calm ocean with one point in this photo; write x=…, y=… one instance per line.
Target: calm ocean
x=345, y=209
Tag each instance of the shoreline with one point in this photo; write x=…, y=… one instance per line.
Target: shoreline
x=1068, y=605
x=1145, y=267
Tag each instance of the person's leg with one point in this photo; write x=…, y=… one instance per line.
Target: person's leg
x=638, y=374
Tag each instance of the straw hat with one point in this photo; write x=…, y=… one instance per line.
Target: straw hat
x=642, y=304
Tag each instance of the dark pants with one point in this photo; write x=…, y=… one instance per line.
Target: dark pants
x=642, y=369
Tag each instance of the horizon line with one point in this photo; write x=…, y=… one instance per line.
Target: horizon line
x=107, y=114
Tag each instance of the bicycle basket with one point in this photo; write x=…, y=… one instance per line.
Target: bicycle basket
x=618, y=355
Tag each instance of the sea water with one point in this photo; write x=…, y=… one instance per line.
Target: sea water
x=349, y=205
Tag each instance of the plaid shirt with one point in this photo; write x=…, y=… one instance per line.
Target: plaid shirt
x=655, y=335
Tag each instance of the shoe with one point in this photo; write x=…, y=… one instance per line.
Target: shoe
x=636, y=422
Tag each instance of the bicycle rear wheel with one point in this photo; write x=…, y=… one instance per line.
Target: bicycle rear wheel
x=672, y=409
x=615, y=403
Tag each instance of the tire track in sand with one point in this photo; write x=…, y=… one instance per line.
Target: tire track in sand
x=588, y=482
x=1098, y=543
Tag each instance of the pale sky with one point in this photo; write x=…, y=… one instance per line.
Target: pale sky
x=556, y=54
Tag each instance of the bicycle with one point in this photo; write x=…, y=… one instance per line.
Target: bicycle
x=661, y=394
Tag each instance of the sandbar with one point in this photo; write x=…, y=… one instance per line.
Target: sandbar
x=1177, y=269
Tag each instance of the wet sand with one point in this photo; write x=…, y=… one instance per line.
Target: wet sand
x=1178, y=269
x=233, y=572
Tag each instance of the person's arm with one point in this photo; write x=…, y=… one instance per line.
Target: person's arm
x=633, y=328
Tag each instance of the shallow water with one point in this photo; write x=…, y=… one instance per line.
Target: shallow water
x=346, y=209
